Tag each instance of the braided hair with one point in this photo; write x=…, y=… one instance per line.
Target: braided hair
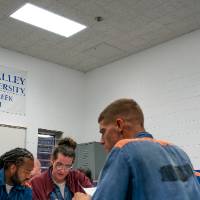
x=15, y=156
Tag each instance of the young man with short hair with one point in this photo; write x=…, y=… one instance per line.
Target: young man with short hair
x=138, y=166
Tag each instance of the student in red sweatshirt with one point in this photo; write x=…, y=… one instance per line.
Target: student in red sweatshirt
x=60, y=182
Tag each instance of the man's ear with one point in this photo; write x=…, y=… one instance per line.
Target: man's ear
x=13, y=168
x=120, y=124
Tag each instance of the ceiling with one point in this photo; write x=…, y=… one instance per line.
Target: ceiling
x=129, y=26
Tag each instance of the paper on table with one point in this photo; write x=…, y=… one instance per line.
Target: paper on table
x=90, y=191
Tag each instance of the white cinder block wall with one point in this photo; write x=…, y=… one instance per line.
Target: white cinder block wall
x=53, y=101
x=165, y=80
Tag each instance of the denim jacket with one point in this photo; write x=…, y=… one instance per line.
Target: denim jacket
x=147, y=169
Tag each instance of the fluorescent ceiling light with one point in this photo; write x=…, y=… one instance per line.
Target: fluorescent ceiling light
x=47, y=20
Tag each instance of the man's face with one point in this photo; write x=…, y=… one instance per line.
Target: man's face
x=22, y=172
x=61, y=167
x=110, y=135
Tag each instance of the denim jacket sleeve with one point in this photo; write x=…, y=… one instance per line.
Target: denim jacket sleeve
x=114, y=178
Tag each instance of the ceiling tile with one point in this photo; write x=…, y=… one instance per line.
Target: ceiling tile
x=128, y=26
x=103, y=50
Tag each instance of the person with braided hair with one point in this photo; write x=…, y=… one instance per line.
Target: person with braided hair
x=60, y=181
x=15, y=170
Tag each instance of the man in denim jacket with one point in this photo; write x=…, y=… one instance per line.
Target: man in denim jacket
x=138, y=166
x=15, y=170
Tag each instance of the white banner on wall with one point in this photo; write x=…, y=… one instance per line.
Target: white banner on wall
x=12, y=90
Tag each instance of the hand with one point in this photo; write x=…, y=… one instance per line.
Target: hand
x=81, y=196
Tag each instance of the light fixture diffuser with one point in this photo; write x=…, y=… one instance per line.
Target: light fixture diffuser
x=44, y=19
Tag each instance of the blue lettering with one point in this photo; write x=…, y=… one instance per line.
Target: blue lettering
x=10, y=98
x=16, y=89
x=2, y=77
x=22, y=80
x=9, y=78
x=23, y=91
x=12, y=79
x=6, y=97
x=15, y=79
x=13, y=89
x=10, y=88
x=5, y=87
x=18, y=80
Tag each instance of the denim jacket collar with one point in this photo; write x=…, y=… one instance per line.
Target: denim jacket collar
x=143, y=134
x=2, y=181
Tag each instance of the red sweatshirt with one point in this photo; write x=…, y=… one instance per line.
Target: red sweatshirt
x=43, y=185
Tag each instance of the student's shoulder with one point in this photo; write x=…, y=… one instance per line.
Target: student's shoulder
x=123, y=143
x=197, y=173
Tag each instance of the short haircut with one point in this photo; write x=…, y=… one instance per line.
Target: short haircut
x=128, y=109
x=15, y=156
x=64, y=150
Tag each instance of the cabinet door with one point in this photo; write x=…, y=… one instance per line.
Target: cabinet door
x=90, y=156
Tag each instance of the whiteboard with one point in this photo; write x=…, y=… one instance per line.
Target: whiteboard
x=11, y=137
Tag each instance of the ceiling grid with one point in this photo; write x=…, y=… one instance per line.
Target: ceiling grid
x=128, y=27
